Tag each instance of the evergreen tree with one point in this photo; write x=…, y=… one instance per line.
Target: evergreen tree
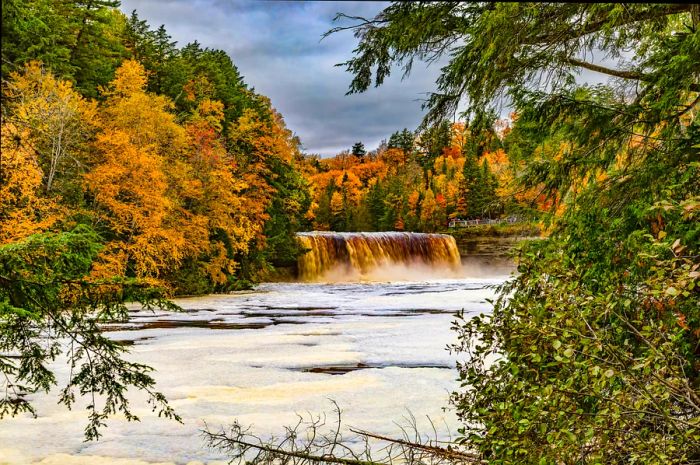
x=37, y=30
x=375, y=202
x=358, y=150
x=433, y=141
x=392, y=211
x=97, y=49
x=286, y=211
x=488, y=190
x=158, y=54
x=324, y=215
x=77, y=40
x=473, y=186
x=404, y=140
x=38, y=277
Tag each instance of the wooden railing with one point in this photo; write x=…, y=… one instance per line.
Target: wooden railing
x=479, y=221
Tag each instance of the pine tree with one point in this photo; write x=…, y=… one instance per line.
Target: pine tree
x=375, y=201
x=358, y=149
x=488, y=189
x=404, y=140
x=595, y=336
x=433, y=141
x=473, y=188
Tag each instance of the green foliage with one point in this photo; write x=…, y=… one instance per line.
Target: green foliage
x=404, y=140
x=358, y=149
x=157, y=53
x=323, y=213
x=591, y=353
x=488, y=184
x=80, y=41
x=46, y=296
x=486, y=59
x=34, y=30
x=376, y=206
x=219, y=79
x=190, y=73
x=98, y=49
x=287, y=210
x=433, y=141
x=479, y=191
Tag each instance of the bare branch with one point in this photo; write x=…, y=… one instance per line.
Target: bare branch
x=312, y=446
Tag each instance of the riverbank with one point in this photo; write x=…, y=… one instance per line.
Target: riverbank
x=492, y=241
x=529, y=229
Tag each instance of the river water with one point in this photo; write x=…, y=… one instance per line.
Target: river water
x=377, y=348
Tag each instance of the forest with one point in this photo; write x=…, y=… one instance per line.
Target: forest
x=134, y=170
x=591, y=353
x=188, y=176
x=420, y=181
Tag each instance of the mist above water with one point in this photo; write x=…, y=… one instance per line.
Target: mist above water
x=416, y=271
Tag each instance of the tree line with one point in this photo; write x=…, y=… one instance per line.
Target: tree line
x=419, y=181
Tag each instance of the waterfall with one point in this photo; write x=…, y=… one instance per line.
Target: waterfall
x=362, y=255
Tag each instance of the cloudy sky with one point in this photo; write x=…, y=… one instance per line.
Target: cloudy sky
x=277, y=47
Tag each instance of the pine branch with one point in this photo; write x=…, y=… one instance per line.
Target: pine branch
x=220, y=439
x=624, y=74
x=598, y=24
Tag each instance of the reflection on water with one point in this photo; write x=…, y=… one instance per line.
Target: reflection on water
x=264, y=355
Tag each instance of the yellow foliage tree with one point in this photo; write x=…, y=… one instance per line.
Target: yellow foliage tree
x=337, y=206
x=145, y=117
x=501, y=168
x=57, y=119
x=255, y=142
x=413, y=199
x=351, y=186
x=23, y=210
x=428, y=211
x=129, y=190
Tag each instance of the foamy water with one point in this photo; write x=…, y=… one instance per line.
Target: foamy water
x=262, y=357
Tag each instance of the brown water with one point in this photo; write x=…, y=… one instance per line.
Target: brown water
x=376, y=256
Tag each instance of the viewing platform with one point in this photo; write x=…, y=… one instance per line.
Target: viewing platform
x=479, y=221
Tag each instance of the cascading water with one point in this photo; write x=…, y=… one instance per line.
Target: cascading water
x=364, y=255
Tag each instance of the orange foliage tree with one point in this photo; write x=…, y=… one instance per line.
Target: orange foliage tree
x=137, y=179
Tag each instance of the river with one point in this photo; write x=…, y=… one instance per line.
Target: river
x=377, y=348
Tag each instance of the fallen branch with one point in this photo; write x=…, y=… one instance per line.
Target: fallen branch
x=442, y=451
x=308, y=443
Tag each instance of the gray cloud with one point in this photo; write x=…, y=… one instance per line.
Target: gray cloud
x=277, y=47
